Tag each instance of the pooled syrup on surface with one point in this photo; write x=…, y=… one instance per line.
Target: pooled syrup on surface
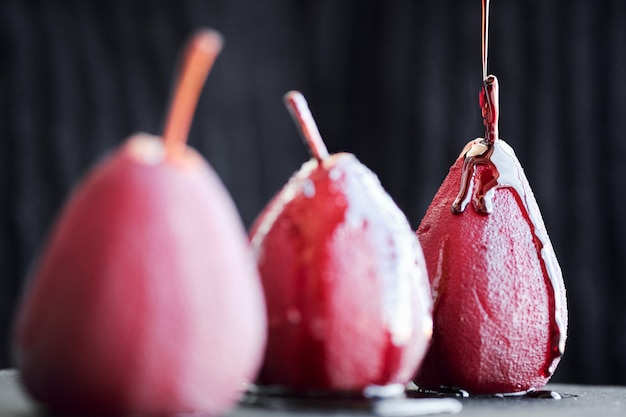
x=454, y=392
x=383, y=401
x=544, y=394
x=502, y=169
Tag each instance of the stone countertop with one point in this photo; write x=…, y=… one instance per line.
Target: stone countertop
x=577, y=400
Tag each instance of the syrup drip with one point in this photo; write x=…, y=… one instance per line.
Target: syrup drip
x=501, y=169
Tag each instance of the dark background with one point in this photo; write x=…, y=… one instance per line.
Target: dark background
x=394, y=82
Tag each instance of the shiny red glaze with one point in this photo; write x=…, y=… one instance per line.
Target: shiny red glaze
x=493, y=304
x=146, y=299
x=344, y=279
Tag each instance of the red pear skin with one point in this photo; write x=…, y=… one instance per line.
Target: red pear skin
x=499, y=319
x=146, y=299
x=344, y=278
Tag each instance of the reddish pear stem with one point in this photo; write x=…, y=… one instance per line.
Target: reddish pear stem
x=197, y=61
x=490, y=105
x=301, y=114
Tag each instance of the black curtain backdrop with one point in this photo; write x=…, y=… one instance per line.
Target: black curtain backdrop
x=394, y=82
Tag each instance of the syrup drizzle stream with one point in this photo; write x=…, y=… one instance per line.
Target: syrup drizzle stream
x=502, y=169
x=485, y=35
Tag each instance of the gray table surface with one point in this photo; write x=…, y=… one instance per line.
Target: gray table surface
x=578, y=400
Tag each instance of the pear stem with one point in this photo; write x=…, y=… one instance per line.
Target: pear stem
x=301, y=114
x=490, y=106
x=197, y=61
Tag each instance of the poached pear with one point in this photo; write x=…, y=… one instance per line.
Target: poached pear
x=500, y=313
x=346, y=287
x=146, y=299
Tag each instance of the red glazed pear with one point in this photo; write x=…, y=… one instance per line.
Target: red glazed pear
x=500, y=314
x=146, y=299
x=344, y=278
